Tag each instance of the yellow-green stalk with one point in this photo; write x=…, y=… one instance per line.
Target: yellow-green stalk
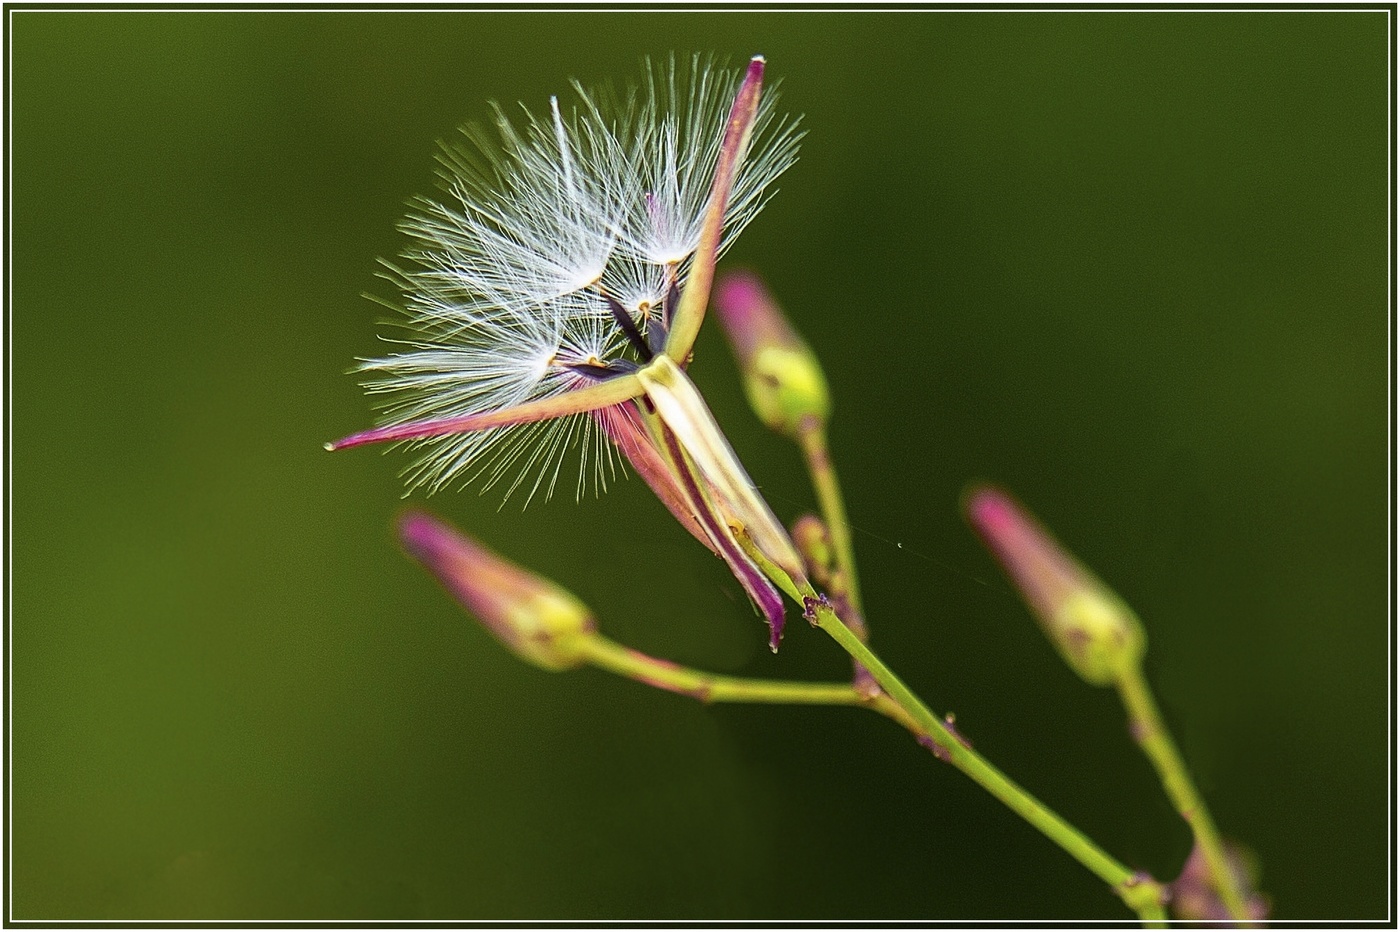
x=1103, y=641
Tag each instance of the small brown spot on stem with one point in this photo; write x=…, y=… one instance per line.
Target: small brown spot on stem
x=1141, y=731
x=939, y=751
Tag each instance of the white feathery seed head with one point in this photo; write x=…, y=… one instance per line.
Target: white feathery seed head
x=550, y=219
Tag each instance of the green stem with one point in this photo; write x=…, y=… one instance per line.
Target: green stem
x=1148, y=729
x=707, y=687
x=1153, y=915
x=1142, y=894
x=711, y=687
x=812, y=438
x=1139, y=892
x=842, y=585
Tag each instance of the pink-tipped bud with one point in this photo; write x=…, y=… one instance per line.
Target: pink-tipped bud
x=1194, y=896
x=1096, y=633
x=782, y=377
x=538, y=621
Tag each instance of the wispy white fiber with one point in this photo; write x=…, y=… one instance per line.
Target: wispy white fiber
x=504, y=283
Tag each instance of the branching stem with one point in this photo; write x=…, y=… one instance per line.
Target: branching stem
x=966, y=759
x=1140, y=892
x=712, y=687
x=1137, y=890
x=812, y=439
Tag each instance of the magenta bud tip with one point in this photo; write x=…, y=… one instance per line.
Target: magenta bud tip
x=989, y=508
x=782, y=377
x=751, y=318
x=1010, y=532
x=1045, y=574
x=530, y=615
x=422, y=536
x=1098, y=635
x=738, y=295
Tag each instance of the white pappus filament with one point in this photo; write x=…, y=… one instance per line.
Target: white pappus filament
x=507, y=282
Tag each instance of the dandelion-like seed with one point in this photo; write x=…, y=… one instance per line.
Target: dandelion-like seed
x=552, y=301
x=558, y=264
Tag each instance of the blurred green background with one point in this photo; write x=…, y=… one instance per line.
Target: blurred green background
x=1133, y=266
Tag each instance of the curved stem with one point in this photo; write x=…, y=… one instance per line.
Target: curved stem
x=711, y=687
x=661, y=380
x=651, y=671
x=1137, y=890
x=1149, y=731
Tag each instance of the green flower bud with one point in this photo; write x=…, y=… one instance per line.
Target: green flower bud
x=782, y=377
x=1096, y=633
x=539, y=622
